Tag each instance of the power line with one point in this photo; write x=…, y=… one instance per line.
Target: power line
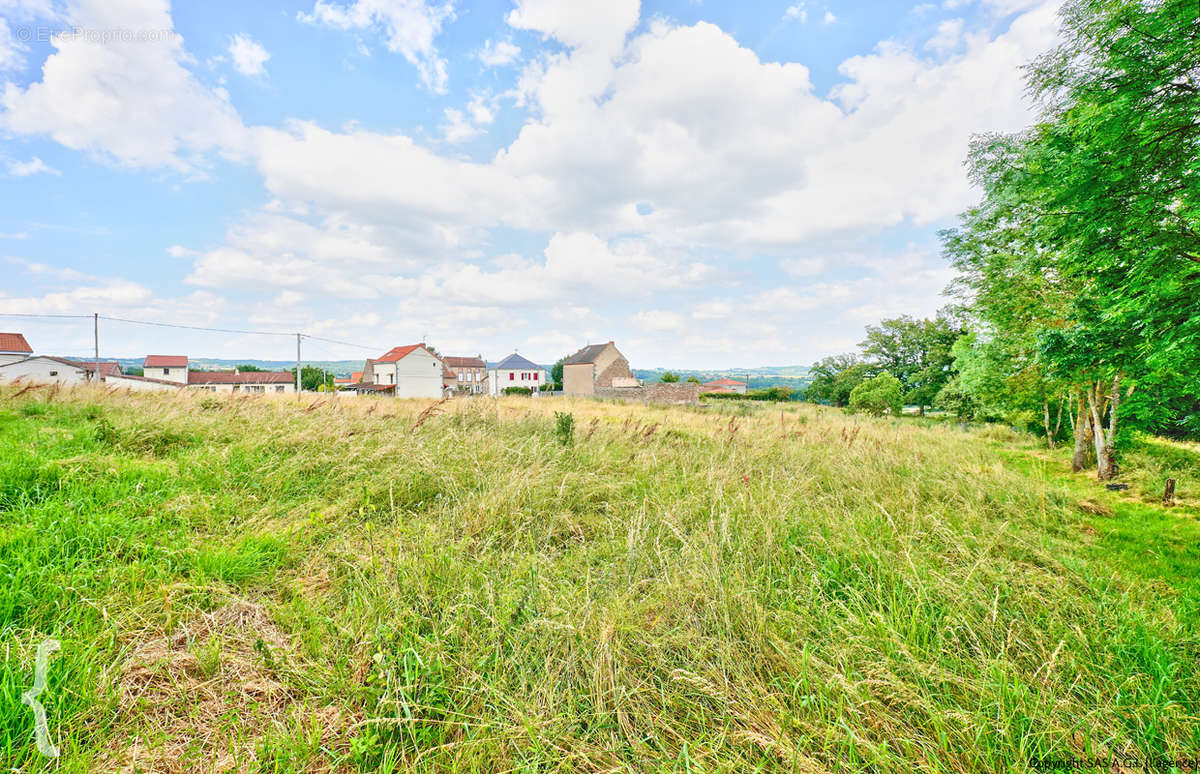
x=194, y=327
x=22, y=314
x=343, y=343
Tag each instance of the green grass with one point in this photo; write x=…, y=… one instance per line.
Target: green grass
x=266, y=585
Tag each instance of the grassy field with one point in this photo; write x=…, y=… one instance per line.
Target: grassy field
x=269, y=585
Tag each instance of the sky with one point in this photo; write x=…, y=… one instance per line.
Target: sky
x=709, y=184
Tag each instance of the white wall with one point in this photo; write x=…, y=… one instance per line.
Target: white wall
x=418, y=375
x=171, y=374
x=42, y=369
x=135, y=384
x=248, y=389
x=11, y=357
x=498, y=379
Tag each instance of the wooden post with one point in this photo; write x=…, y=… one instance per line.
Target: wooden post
x=1169, y=492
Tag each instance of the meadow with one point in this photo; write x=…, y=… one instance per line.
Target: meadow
x=259, y=584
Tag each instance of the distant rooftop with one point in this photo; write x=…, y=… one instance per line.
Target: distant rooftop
x=15, y=343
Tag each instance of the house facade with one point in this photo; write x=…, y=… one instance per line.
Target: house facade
x=169, y=368
x=516, y=371
x=13, y=347
x=470, y=374
x=242, y=381
x=46, y=369
x=596, y=365
x=411, y=371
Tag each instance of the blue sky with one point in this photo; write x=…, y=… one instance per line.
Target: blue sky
x=709, y=184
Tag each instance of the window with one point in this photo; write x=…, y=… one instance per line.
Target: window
x=54, y=373
x=166, y=372
x=511, y=376
x=280, y=388
x=535, y=376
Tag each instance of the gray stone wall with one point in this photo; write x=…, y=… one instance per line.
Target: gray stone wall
x=679, y=393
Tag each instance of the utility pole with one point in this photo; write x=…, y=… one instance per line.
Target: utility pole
x=297, y=366
x=96, y=341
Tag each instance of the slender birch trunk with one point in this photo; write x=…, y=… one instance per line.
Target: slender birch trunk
x=1103, y=438
x=1046, y=424
x=1083, y=432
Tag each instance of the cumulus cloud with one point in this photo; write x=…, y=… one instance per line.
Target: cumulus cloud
x=32, y=167
x=498, y=54
x=130, y=99
x=409, y=28
x=248, y=55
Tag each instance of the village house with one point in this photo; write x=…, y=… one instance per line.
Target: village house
x=43, y=368
x=726, y=386
x=410, y=371
x=169, y=368
x=596, y=365
x=516, y=371
x=13, y=347
x=470, y=374
x=242, y=381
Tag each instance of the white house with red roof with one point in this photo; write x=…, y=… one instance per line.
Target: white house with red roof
x=13, y=347
x=411, y=371
x=516, y=371
x=169, y=368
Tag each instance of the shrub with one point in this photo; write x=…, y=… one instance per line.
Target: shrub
x=517, y=391
x=564, y=427
x=669, y=377
x=878, y=396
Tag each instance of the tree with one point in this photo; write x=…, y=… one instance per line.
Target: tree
x=312, y=378
x=669, y=377
x=247, y=368
x=916, y=352
x=878, y=396
x=556, y=370
x=834, y=377
x=692, y=380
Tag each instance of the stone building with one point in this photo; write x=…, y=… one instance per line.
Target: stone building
x=597, y=365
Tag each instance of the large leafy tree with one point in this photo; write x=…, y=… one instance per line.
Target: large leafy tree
x=916, y=352
x=1084, y=256
x=835, y=377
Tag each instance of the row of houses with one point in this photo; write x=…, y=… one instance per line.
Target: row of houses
x=159, y=372
x=410, y=371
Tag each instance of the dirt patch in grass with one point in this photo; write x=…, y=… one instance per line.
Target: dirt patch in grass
x=197, y=699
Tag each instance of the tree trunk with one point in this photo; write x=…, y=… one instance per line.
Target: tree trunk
x=1102, y=438
x=1046, y=424
x=1083, y=433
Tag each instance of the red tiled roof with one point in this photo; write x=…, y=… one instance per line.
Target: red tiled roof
x=14, y=342
x=107, y=368
x=245, y=377
x=165, y=361
x=398, y=353
x=725, y=383
x=464, y=362
x=718, y=390
x=356, y=376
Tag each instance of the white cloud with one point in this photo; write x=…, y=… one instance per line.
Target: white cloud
x=32, y=167
x=248, y=55
x=498, y=54
x=458, y=128
x=829, y=17
x=11, y=50
x=128, y=99
x=596, y=25
x=947, y=38
x=660, y=321
x=798, y=12
x=410, y=27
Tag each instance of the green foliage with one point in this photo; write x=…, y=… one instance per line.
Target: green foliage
x=879, y=395
x=517, y=391
x=833, y=379
x=564, y=428
x=247, y=368
x=772, y=394
x=693, y=380
x=916, y=352
x=669, y=377
x=556, y=372
x=313, y=378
